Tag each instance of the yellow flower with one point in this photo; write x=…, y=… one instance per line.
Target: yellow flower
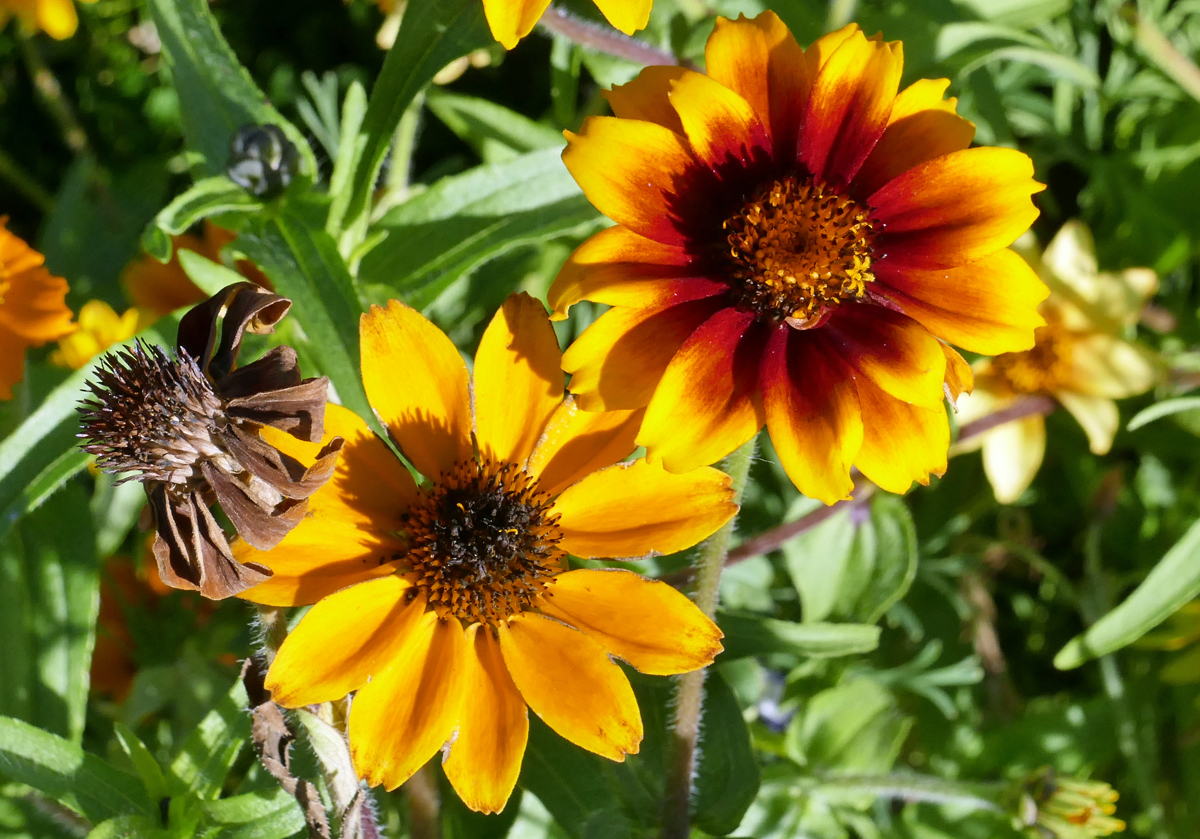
x=1081, y=358
x=33, y=308
x=99, y=328
x=1179, y=636
x=512, y=20
x=796, y=243
x=1067, y=808
x=449, y=606
x=56, y=18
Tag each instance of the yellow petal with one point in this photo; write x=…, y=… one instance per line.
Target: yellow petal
x=644, y=622
x=1012, y=455
x=893, y=351
x=1103, y=365
x=901, y=443
x=512, y=20
x=570, y=682
x=485, y=758
x=417, y=382
x=518, y=379
x=577, y=443
x=626, y=15
x=1098, y=417
x=57, y=18
x=343, y=641
x=404, y=715
x=645, y=97
x=634, y=509
x=960, y=378
x=721, y=126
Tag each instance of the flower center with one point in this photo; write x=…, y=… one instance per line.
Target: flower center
x=798, y=250
x=1039, y=370
x=483, y=542
x=154, y=416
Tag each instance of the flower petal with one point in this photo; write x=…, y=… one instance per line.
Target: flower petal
x=721, y=126
x=645, y=97
x=645, y=622
x=1012, y=455
x=570, y=682
x=706, y=404
x=813, y=414
x=629, y=169
x=1097, y=416
x=417, y=382
x=895, y=352
x=12, y=362
x=512, y=20
x=635, y=509
x=960, y=378
x=922, y=126
x=901, y=443
x=956, y=208
x=986, y=306
x=57, y=18
x=34, y=306
x=848, y=107
x=577, y=443
x=617, y=362
x=403, y=716
x=518, y=379
x=1104, y=365
x=493, y=727
x=343, y=642
x=628, y=16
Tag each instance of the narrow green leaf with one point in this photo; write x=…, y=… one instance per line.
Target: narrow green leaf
x=1059, y=66
x=750, y=635
x=145, y=763
x=68, y=774
x=216, y=94
x=491, y=129
x=1174, y=581
x=209, y=276
x=267, y=814
x=207, y=197
x=209, y=752
x=1163, y=409
x=349, y=152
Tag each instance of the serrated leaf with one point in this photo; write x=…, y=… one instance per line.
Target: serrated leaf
x=210, y=751
x=749, y=635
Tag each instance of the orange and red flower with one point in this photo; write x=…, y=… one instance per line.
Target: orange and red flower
x=796, y=243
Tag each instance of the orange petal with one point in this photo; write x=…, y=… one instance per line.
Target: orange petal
x=813, y=414
x=577, y=443
x=644, y=622
x=645, y=97
x=721, y=126
x=344, y=641
x=485, y=758
x=626, y=15
x=706, y=404
x=635, y=509
x=922, y=126
x=821, y=50
x=848, y=107
x=901, y=443
x=512, y=20
x=403, y=716
x=518, y=379
x=617, y=362
x=628, y=169
x=894, y=351
x=12, y=362
x=960, y=378
x=956, y=208
x=570, y=682
x=617, y=267
x=417, y=383
x=987, y=306
x=34, y=306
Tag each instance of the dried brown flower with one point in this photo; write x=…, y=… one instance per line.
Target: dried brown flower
x=188, y=428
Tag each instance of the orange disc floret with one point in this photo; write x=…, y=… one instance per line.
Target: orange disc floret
x=798, y=243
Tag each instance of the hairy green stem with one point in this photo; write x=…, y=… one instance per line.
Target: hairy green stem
x=689, y=697
x=273, y=624
x=421, y=793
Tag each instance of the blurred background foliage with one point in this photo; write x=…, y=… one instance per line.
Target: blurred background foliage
x=886, y=671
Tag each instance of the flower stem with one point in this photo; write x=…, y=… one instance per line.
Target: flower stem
x=689, y=698
x=51, y=93
x=605, y=39
x=273, y=624
x=25, y=184
x=421, y=793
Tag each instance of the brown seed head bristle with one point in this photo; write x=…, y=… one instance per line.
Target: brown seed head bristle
x=798, y=249
x=483, y=543
x=154, y=416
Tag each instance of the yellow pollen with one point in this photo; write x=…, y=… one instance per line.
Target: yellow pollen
x=483, y=542
x=798, y=250
x=1042, y=369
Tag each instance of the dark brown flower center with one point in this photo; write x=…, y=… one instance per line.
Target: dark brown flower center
x=483, y=542
x=1042, y=369
x=798, y=249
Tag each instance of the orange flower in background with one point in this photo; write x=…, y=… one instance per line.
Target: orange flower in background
x=33, y=308
x=449, y=606
x=512, y=20
x=57, y=18
x=161, y=288
x=796, y=243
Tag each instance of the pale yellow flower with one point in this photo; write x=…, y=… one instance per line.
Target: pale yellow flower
x=56, y=18
x=1083, y=357
x=99, y=328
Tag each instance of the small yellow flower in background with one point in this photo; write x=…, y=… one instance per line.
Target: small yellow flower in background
x=57, y=18
x=796, y=243
x=449, y=606
x=1180, y=635
x=1067, y=808
x=512, y=20
x=99, y=328
x=1082, y=358
x=33, y=308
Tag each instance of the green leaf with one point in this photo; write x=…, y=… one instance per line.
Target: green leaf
x=216, y=94
x=207, y=197
x=459, y=822
x=727, y=775
x=749, y=635
x=145, y=763
x=349, y=152
x=1163, y=409
x=854, y=727
x=68, y=774
x=210, y=751
x=209, y=276
x=305, y=266
x=266, y=814
x=494, y=131
x=1174, y=581
x=1057, y=65
x=431, y=36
